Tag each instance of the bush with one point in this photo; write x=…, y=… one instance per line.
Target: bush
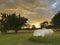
x=46, y=39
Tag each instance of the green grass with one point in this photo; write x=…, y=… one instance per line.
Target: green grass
x=22, y=38
x=46, y=39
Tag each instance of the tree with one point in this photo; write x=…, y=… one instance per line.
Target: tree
x=44, y=24
x=33, y=27
x=14, y=22
x=56, y=20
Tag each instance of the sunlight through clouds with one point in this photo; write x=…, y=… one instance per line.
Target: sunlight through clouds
x=33, y=9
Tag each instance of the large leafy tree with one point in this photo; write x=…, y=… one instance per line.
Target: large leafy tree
x=14, y=22
x=56, y=20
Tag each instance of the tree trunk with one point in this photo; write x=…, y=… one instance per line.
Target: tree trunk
x=16, y=31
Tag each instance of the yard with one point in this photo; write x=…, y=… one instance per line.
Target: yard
x=22, y=38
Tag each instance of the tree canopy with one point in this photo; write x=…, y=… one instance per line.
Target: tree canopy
x=56, y=20
x=13, y=22
x=44, y=24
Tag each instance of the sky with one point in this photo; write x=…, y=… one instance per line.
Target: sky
x=36, y=11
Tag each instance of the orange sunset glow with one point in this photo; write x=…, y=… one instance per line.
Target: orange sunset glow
x=35, y=10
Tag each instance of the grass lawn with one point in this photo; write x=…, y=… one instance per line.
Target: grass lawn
x=21, y=38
